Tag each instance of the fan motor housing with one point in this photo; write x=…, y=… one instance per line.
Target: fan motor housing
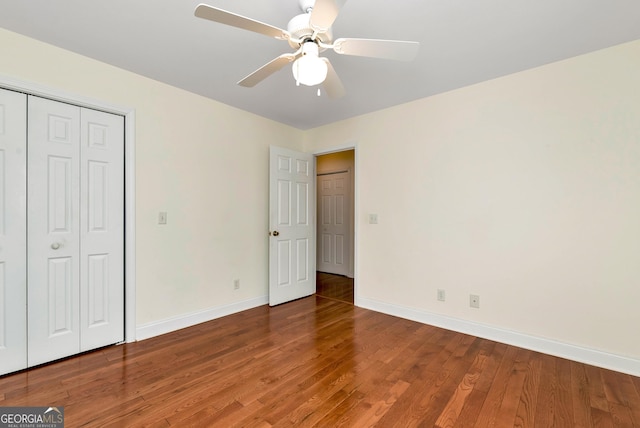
x=300, y=28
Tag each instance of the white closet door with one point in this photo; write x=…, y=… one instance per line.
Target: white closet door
x=13, y=231
x=53, y=230
x=102, y=229
x=333, y=223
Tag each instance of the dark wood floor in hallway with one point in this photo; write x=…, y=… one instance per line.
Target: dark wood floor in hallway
x=334, y=287
x=321, y=362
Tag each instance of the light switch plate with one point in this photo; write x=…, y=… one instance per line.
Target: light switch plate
x=162, y=217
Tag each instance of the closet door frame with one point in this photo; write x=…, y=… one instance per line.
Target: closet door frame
x=8, y=82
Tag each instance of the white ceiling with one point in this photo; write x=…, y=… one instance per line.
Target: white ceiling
x=462, y=42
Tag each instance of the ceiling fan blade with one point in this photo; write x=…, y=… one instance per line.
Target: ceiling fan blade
x=267, y=70
x=332, y=84
x=324, y=13
x=223, y=17
x=387, y=49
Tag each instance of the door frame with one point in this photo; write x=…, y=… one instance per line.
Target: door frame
x=11, y=83
x=355, y=177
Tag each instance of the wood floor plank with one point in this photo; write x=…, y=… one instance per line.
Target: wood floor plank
x=597, y=397
x=457, y=366
x=449, y=415
x=497, y=392
x=320, y=362
x=513, y=391
x=377, y=409
x=563, y=398
x=581, y=400
x=621, y=415
x=525, y=415
x=408, y=411
x=495, y=356
x=547, y=393
x=601, y=419
x=474, y=402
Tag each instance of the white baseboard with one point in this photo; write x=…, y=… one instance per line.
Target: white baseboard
x=547, y=346
x=157, y=328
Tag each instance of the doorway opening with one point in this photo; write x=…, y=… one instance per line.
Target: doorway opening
x=335, y=234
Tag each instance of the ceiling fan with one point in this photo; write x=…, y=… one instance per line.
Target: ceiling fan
x=310, y=34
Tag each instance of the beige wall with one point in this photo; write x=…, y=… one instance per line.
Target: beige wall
x=202, y=162
x=524, y=190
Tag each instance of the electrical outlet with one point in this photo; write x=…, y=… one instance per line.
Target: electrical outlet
x=236, y=284
x=474, y=301
x=441, y=295
x=373, y=218
x=162, y=217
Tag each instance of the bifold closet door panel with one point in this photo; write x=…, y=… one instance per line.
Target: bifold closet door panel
x=102, y=229
x=13, y=231
x=53, y=223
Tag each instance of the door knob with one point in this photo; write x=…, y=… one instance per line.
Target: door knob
x=275, y=233
x=55, y=245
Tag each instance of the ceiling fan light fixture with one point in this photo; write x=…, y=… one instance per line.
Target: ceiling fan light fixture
x=309, y=33
x=309, y=69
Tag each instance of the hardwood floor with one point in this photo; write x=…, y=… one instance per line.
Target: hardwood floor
x=321, y=362
x=334, y=287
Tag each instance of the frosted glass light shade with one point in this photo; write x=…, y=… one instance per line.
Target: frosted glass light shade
x=309, y=69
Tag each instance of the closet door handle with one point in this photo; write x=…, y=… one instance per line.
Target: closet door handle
x=55, y=245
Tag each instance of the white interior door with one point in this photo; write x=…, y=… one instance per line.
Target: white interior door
x=292, y=259
x=13, y=231
x=333, y=223
x=53, y=230
x=101, y=229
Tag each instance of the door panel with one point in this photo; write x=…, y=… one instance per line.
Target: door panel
x=102, y=229
x=333, y=224
x=13, y=231
x=284, y=263
x=302, y=199
x=53, y=225
x=291, y=217
x=302, y=252
x=60, y=194
x=60, y=294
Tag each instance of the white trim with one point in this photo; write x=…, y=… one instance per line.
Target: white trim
x=547, y=346
x=356, y=226
x=130, y=228
x=31, y=88
x=335, y=149
x=158, y=328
